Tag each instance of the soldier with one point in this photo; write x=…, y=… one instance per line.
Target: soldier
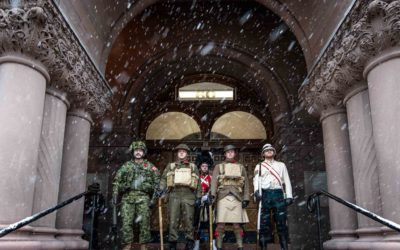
x=204, y=162
x=136, y=182
x=180, y=179
x=272, y=187
x=230, y=188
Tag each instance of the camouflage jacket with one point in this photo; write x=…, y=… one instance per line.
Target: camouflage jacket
x=142, y=177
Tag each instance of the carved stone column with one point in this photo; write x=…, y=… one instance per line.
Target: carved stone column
x=383, y=74
x=23, y=85
x=340, y=177
x=49, y=166
x=365, y=166
x=73, y=178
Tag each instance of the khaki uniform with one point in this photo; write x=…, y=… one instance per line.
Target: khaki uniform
x=182, y=182
x=230, y=186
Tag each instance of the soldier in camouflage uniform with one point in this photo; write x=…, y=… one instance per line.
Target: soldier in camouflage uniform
x=180, y=179
x=136, y=182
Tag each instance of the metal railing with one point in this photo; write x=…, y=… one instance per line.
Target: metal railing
x=91, y=192
x=313, y=203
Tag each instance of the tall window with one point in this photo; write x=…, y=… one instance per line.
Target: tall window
x=173, y=126
x=238, y=125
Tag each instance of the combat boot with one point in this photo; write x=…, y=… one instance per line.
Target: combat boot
x=127, y=247
x=172, y=245
x=263, y=243
x=283, y=241
x=189, y=245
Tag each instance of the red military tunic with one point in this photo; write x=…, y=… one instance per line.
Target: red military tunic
x=205, y=183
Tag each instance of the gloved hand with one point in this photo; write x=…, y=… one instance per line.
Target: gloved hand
x=245, y=204
x=288, y=201
x=204, y=198
x=257, y=195
x=197, y=203
x=160, y=193
x=151, y=204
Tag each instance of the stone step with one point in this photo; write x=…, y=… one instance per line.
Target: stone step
x=227, y=246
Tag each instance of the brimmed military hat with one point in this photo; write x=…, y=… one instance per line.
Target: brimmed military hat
x=182, y=146
x=267, y=147
x=229, y=147
x=138, y=145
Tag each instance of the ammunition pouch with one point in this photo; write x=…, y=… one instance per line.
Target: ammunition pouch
x=236, y=181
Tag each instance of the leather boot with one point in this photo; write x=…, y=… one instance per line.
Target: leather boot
x=172, y=245
x=189, y=245
x=283, y=241
x=127, y=247
x=263, y=243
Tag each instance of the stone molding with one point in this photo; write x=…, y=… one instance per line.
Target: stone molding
x=36, y=30
x=368, y=30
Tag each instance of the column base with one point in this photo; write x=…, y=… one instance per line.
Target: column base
x=390, y=235
x=367, y=238
x=47, y=238
x=20, y=239
x=72, y=239
x=341, y=239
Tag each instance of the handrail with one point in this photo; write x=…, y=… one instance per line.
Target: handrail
x=313, y=203
x=13, y=227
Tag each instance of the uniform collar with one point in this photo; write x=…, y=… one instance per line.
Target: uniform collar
x=230, y=160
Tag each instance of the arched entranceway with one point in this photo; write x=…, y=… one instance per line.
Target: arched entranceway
x=241, y=47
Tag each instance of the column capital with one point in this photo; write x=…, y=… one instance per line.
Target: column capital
x=332, y=111
x=354, y=91
x=37, y=30
x=81, y=113
x=58, y=94
x=369, y=29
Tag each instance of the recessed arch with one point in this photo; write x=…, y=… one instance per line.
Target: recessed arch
x=173, y=126
x=238, y=125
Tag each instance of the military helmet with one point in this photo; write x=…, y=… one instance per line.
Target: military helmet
x=138, y=145
x=268, y=147
x=182, y=146
x=229, y=147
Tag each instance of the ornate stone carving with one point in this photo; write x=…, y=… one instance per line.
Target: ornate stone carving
x=38, y=31
x=368, y=29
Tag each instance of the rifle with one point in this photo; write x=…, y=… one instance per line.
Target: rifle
x=114, y=230
x=161, y=223
x=210, y=218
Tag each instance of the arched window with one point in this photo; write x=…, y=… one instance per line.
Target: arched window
x=173, y=126
x=238, y=125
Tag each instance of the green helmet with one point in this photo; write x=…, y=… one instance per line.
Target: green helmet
x=138, y=145
x=229, y=147
x=182, y=146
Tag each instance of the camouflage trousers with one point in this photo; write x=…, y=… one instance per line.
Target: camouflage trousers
x=135, y=210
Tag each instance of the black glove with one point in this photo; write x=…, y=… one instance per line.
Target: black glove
x=245, y=204
x=209, y=200
x=257, y=195
x=197, y=203
x=288, y=201
x=151, y=204
x=160, y=193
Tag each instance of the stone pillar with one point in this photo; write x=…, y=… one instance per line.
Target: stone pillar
x=365, y=166
x=383, y=74
x=22, y=94
x=340, y=177
x=73, y=178
x=49, y=166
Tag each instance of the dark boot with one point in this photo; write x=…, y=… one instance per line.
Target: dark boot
x=240, y=248
x=263, y=243
x=283, y=240
x=189, y=245
x=172, y=245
